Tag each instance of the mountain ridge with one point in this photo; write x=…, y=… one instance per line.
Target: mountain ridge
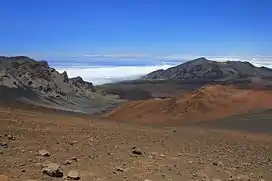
x=26, y=80
x=204, y=69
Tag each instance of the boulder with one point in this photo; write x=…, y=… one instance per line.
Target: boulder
x=53, y=170
x=73, y=175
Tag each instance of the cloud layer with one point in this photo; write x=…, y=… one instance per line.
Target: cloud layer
x=102, y=75
x=116, y=56
x=109, y=68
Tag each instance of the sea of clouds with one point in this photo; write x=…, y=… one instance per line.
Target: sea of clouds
x=108, y=68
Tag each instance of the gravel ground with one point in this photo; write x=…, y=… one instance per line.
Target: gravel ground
x=89, y=148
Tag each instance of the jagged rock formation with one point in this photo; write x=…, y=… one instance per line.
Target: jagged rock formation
x=23, y=72
x=27, y=80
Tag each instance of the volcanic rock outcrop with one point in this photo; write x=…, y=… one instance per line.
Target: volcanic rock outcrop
x=26, y=80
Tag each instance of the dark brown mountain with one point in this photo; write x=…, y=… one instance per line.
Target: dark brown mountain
x=208, y=70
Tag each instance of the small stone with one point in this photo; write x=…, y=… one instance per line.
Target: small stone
x=67, y=162
x=74, y=158
x=215, y=163
x=4, y=145
x=10, y=137
x=162, y=155
x=4, y=178
x=73, y=175
x=23, y=170
x=53, y=170
x=119, y=169
x=44, y=153
x=136, y=151
x=190, y=162
x=73, y=142
x=194, y=175
x=245, y=164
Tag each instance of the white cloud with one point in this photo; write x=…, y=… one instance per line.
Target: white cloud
x=255, y=60
x=106, y=74
x=116, y=56
x=102, y=75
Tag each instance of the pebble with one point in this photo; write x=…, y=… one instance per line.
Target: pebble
x=44, y=153
x=10, y=137
x=74, y=158
x=67, y=162
x=136, y=151
x=215, y=163
x=4, y=145
x=119, y=169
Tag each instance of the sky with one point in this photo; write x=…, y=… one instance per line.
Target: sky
x=109, y=40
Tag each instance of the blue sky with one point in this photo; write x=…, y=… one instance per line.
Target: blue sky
x=136, y=32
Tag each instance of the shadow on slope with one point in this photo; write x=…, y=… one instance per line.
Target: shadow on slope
x=81, y=104
x=260, y=122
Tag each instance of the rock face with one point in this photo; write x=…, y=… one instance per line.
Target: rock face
x=204, y=69
x=26, y=73
x=23, y=79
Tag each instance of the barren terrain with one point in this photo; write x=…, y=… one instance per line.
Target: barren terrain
x=207, y=103
x=108, y=150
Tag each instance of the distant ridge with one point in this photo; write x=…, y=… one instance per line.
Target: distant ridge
x=204, y=69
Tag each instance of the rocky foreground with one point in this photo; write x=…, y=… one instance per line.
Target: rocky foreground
x=39, y=144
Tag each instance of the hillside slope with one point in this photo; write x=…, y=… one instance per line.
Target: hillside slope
x=204, y=69
x=26, y=80
x=207, y=103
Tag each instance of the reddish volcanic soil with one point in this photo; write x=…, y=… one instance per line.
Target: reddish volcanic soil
x=207, y=103
x=100, y=150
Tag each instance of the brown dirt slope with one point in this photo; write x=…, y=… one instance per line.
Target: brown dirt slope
x=209, y=102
